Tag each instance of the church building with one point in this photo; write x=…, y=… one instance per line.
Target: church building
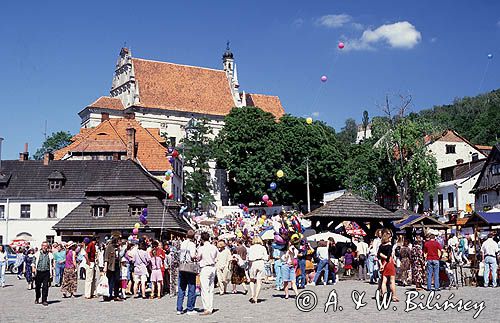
x=164, y=96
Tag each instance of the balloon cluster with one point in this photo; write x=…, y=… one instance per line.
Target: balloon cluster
x=290, y=231
x=244, y=208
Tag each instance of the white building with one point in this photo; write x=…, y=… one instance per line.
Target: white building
x=459, y=163
x=166, y=96
x=362, y=134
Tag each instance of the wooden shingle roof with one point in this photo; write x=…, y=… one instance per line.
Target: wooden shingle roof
x=350, y=205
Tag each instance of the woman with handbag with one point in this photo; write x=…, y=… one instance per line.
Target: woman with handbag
x=187, y=278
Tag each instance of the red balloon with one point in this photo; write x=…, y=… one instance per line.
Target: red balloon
x=175, y=154
x=341, y=45
x=245, y=209
x=171, y=196
x=270, y=203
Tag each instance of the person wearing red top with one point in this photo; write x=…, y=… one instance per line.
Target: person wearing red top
x=432, y=253
x=90, y=275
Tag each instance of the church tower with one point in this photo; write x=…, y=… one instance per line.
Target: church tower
x=124, y=85
x=232, y=77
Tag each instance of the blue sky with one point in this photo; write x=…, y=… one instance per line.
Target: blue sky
x=58, y=56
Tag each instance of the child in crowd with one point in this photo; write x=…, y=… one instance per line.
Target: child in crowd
x=124, y=276
x=348, y=259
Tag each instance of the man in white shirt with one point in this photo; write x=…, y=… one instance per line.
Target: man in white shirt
x=361, y=253
x=489, y=250
x=322, y=253
x=207, y=256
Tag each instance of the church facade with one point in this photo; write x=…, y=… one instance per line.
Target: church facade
x=166, y=96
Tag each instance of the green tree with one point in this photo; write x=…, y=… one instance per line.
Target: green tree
x=349, y=132
x=316, y=144
x=248, y=147
x=55, y=142
x=366, y=121
x=253, y=146
x=196, y=148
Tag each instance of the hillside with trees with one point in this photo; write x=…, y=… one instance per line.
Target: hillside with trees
x=476, y=118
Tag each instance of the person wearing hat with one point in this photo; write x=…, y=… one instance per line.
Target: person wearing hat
x=432, y=253
x=69, y=283
x=223, y=266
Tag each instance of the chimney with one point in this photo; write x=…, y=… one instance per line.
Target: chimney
x=47, y=157
x=24, y=155
x=104, y=116
x=131, y=143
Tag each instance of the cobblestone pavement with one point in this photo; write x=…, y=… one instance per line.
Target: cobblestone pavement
x=17, y=305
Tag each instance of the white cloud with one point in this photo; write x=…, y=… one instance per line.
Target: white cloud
x=333, y=21
x=315, y=114
x=397, y=35
x=357, y=26
x=297, y=23
x=433, y=39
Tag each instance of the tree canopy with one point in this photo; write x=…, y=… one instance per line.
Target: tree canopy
x=253, y=146
x=55, y=142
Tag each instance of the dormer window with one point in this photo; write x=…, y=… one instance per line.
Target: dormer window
x=136, y=206
x=56, y=180
x=98, y=211
x=55, y=184
x=136, y=210
x=99, y=207
x=450, y=149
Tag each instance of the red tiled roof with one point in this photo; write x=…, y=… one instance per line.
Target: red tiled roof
x=182, y=88
x=191, y=89
x=268, y=103
x=106, y=102
x=111, y=136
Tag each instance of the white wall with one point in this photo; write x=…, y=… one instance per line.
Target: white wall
x=38, y=225
x=462, y=151
x=462, y=187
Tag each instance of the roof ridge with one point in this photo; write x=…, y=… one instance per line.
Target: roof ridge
x=116, y=132
x=184, y=65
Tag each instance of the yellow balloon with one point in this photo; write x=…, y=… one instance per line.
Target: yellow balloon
x=309, y=120
x=137, y=225
x=280, y=173
x=165, y=185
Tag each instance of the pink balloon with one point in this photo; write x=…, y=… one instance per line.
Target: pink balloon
x=324, y=78
x=135, y=231
x=341, y=45
x=265, y=198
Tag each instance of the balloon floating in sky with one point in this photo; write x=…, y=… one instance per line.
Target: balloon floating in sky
x=273, y=186
x=280, y=173
x=324, y=78
x=490, y=56
x=265, y=198
x=341, y=45
x=309, y=120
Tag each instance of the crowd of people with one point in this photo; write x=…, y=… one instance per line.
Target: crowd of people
x=232, y=256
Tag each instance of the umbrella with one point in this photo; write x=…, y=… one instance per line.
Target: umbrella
x=227, y=235
x=207, y=222
x=326, y=235
x=267, y=235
